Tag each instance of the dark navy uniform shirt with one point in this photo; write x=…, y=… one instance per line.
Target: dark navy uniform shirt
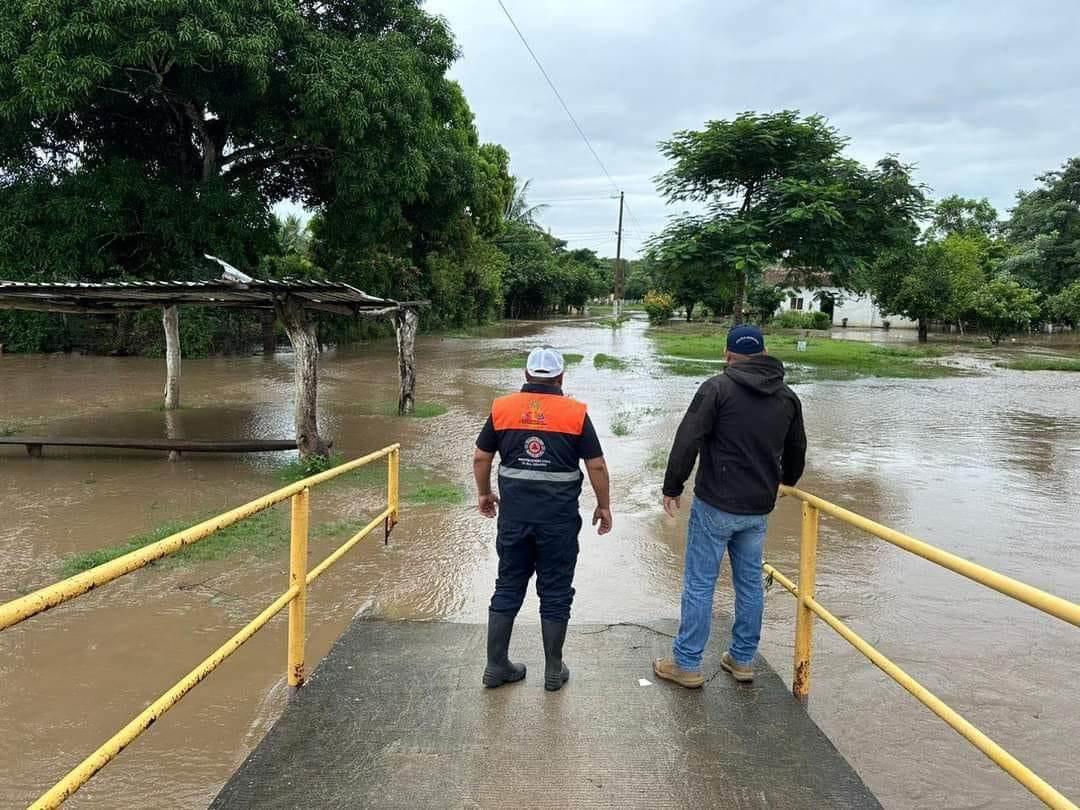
x=541, y=437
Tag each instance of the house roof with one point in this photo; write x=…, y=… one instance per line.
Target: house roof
x=801, y=277
x=114, y=296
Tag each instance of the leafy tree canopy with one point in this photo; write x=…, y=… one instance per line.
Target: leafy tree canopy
x=149, y=133
x=1002, y=306
x=778, y=190
x=1044, y=231
x=956, y=215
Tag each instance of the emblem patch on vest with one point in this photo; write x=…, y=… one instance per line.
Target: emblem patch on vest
x=534, y=447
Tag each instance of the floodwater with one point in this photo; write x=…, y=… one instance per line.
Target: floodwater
x=987, y=467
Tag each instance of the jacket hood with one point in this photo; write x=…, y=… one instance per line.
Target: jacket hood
x=763, y=375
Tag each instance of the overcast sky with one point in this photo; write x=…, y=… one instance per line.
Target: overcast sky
x=982, y=96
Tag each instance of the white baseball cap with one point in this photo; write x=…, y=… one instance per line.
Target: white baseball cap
x=545, y=363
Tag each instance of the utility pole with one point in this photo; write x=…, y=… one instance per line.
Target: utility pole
x=620, y=279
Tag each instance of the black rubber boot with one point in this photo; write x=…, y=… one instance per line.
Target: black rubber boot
x=555, y=671
x=499, y=669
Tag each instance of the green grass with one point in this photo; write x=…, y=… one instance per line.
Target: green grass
x=267, y=531
x=691, y=368
x=422, y=410
x=443, y=493
x=518, y=360
x=418, y=486
x=1040, y=363
x=607, y=361
x=828, y=359
x=259, y=534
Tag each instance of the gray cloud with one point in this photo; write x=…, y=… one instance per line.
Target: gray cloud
x=982, y=96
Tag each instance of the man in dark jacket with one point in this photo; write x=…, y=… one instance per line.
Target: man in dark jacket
x=747, y=426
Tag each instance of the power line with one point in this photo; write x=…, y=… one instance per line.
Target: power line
x=558, y=95
x=570, y=115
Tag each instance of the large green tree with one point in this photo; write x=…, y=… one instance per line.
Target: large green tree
x=135, y=136
x=1044, y=231
x=778, y=190
x=1003, y=305
x=932, y=280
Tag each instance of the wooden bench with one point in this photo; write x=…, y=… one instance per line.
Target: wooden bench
x=34, y=444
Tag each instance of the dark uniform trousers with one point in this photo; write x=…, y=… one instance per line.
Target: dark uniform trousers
x=550, y=550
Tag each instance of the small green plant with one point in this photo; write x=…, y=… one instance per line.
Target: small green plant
x=620, y=424
x=659, y=306
x=305, y=468
x=607, y=361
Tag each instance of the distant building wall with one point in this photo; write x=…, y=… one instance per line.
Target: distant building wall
x=860, y=310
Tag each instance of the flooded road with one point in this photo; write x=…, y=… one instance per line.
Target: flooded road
x=987, y=467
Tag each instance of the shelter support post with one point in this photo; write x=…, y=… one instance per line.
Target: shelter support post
x=406, y=320
x=170, y=320
x=305, y=343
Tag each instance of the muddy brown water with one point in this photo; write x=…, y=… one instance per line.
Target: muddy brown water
x=987, y=467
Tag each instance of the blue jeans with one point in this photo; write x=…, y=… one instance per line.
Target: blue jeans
x=712, y=531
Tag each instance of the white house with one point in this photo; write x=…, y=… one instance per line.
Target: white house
x=857, y=310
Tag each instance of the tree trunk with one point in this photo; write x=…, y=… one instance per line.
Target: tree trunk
x=269, y=337
x=740, y=298
x=170, y=320
x=405, y=323
x=924, y=327
x=689, y=312
x=305, y=343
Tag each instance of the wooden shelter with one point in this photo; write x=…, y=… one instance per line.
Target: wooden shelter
x=290, y=299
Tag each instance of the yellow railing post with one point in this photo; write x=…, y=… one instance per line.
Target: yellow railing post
x=393, y=473
x=804, y=616
x=298, y=563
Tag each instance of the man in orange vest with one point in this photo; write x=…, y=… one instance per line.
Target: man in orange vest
x=541, y=437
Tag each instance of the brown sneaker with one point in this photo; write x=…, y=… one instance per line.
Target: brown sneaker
x=740, y=672
x=667, y=669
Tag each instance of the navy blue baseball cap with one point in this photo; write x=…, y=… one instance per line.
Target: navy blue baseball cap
x=745, y=340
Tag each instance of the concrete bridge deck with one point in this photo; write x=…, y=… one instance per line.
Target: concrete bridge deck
x=395, y=717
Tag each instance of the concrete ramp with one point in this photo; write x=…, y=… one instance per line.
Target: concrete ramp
x=395, y=717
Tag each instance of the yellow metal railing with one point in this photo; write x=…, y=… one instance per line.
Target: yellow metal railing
x=295, y=597
x=807, y=607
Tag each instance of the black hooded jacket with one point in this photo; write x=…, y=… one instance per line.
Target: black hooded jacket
x=748, y=427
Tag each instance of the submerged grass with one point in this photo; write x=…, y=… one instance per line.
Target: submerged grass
x=602, y=360
x=825, y=357
x=422, y=410
x=258, y=534
x=624, y=422
x=518, y=360
x=268, y=531
x=418, y=486
x=1041, y=363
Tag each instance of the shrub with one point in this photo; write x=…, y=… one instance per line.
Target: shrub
x=792, y=319
x=659, y=307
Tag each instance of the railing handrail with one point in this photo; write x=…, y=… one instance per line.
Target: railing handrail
x=294, y=597
x=17, y=610
x=808, y=607
x=1041, y=600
